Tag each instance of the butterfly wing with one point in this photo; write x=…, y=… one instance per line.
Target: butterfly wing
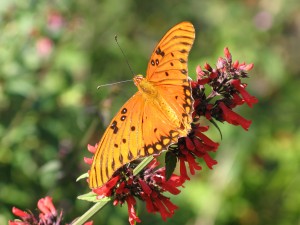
x=124, y=139
x=167, y=70
x=120, y=142
x=168, y=62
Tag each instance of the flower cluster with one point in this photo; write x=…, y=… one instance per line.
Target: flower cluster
x=226, y=92
x=147, y=186
x=48, y=215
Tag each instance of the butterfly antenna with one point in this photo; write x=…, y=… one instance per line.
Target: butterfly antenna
x=103, y=85
x=116, y=39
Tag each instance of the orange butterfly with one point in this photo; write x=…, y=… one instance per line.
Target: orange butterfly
x=156, y=115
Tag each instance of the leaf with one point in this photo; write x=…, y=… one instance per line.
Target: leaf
x=82, y=176
x=92, y=197
x=170, y=161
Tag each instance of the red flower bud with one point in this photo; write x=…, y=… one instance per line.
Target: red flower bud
x=227, y=54
x=236, y=64
x=207, y=67
x=87, y=160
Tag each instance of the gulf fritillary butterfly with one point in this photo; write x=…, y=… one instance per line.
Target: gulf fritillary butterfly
x=156, y=115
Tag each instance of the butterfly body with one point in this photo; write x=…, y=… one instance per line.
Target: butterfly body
x=156, y=115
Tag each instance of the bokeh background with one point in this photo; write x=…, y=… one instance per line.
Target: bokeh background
x=53, y=54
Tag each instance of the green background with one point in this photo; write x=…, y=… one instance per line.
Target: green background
x=53, y=55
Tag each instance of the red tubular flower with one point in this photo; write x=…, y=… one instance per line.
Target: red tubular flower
x=207, y=67
x=164, y=212
x=183, y=173
x=170, y=206
x=221, y=63
x=89, y=223
x=236, y=64
x=247, y=67
x=105, y=190
x=17, y=223
x=242, y=90
x=199, y=72
x=227, y=54
x=209, y=161
x=92, y=149
x=145, y=187
x=234, y=118
x=88, y=161
x=131, y=211
x=48, y=215
x=189, y=144
x=20, y=213
x=237, y=100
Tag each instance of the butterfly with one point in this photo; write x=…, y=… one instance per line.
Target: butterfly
x=156, y=115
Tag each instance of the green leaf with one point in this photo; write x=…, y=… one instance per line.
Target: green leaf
x=171, y=161
x=92, y=197
x=82, y=176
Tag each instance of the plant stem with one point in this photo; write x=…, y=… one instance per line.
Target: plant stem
x=88, y=214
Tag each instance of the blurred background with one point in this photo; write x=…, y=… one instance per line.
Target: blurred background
x=53, y=55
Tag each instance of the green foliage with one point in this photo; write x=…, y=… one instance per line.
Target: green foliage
x=53, y=55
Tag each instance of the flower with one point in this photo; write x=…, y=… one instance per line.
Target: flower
x=149, y=186
x=55, y=21
x=227, y=91
x=241, y=88
x=195, y=145
x=48, y=215
x=233, y=118
x=44, y=47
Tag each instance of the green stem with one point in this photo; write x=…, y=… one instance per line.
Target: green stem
x=88, y=214
x=142, y=165
x=99, y=205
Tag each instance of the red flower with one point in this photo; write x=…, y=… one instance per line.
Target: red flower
x=234, y=118
x=131, y=211
x=44, y=47
x=105, y=190
x=227, y=54
x=242, y=90
x=189, y=148
x=55, y=21
x=47, y=216
x=149, y=185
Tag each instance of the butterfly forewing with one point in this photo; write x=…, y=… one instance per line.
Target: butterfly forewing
x=169, y=58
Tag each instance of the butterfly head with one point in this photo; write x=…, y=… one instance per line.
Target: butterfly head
x=137, y=79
